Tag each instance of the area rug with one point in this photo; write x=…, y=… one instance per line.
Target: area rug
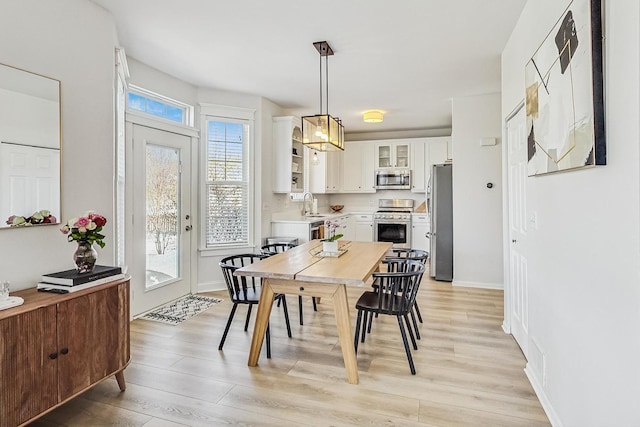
x=178, y=311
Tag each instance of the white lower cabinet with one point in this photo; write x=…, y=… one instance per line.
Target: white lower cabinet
x=419, y=228
x=363, y=224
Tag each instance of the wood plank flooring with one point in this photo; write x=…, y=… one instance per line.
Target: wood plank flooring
x=469, y=373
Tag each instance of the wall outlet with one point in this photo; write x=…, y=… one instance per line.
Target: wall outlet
x=296, y=197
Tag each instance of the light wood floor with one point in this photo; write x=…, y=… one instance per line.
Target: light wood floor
x=469, y=373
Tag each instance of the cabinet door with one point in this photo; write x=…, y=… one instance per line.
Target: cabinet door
x=26, y=343
x=364, y=232
x=418, y=236
x=352, y=170
x=93, y=338
x=418, y=167
x=333, y=171
x=402, y=155
x=384, y=157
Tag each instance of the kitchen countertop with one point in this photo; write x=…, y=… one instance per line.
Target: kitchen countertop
x=293, y=217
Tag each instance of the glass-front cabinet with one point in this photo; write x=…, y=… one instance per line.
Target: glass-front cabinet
x=392, y=155
x=288, y=172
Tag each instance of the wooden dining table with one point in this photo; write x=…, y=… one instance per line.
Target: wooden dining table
x=304, y=270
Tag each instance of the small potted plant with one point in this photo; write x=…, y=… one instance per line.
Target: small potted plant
x=330, y=243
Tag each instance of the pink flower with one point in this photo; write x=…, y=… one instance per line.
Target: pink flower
x=65, y=229
x=82, y=222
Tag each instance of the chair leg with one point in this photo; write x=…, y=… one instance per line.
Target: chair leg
x=358, y=321
x=226, y=328
x=413, y=340
x=268, y=342
x=246, y=322
x=406, y=345
x=286, y=313
x=415, y=324
x=415, y=306
x=315, y=307
x=370, y=320
x=364, y=323
x=300, y=309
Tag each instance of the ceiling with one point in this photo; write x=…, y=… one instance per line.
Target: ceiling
x=408, y=58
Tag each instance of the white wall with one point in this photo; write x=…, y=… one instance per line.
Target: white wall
x=477, y=210
x=583, y=258
x=48, y=38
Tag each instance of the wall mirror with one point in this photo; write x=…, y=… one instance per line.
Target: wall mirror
x=29, y=149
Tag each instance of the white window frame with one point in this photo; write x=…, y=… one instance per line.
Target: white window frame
x=213, y=112
x=188, y=109
x=121, y=91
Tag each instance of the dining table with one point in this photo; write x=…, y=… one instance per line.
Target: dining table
x=308, y=271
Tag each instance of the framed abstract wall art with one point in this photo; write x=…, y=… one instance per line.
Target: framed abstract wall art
x=564, y=94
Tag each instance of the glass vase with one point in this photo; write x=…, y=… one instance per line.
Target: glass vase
x=85, y=256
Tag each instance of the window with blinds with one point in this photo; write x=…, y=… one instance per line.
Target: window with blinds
x=227, y=207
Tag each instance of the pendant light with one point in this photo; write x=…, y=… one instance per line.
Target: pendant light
x=323, y=132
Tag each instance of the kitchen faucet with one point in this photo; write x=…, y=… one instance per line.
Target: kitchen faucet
x=305, y=210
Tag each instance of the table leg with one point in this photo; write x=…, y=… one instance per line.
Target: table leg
x=262, y=319
x=343, y=322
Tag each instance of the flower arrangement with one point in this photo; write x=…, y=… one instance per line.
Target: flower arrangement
x=39, y=217
x=330, y=231
x=86, y=228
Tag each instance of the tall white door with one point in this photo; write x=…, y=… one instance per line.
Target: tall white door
x=517, y=293
x=161, y=229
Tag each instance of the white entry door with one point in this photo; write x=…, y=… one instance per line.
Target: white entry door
x=518, y=296
x=161, y=200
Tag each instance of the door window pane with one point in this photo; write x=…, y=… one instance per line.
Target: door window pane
x=163, y=208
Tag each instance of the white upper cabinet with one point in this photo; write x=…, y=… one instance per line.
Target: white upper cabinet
x=392, y=155
x=324, y=176
x=426, y=153
x=358, y=172
x=288, y=155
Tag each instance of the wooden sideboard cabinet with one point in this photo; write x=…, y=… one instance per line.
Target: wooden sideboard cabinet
x=55, y=346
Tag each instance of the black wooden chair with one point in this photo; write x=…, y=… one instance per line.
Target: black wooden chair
x=400, y=254
x=246, y=290
x=395, y=295
x=276, y=248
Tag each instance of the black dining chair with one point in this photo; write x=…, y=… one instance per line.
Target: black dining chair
x=276, y=248
x=246, y=290
x=404, y=254
x=394, y=296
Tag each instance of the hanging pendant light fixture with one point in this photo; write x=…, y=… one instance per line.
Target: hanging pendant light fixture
x=323, y=132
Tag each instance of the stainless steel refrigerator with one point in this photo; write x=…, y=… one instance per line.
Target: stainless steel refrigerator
x=440, y=195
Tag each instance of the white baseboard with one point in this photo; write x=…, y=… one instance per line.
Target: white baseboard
x=506, y=328
x=211, y=286
x=482, y=285
x=542, y=397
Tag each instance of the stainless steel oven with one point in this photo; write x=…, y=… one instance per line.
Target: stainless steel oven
x=392, y=222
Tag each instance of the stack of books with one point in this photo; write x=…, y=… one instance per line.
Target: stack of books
x=71, y=281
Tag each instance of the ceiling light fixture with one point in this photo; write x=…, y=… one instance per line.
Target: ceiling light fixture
x=372, y=116
x=323, y=132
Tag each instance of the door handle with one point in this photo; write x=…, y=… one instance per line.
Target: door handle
x=188, y=228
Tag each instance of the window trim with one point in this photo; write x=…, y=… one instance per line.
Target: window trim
x=188, y=109
x=214, y=112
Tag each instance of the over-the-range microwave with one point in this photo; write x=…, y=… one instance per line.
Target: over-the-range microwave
x=393, y=179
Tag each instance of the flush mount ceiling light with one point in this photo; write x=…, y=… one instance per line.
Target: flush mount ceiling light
x=323, y=132
x=373, y=116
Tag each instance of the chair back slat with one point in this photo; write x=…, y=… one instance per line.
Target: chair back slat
x=276, y=248
x=397, y=288
x=237, y=286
